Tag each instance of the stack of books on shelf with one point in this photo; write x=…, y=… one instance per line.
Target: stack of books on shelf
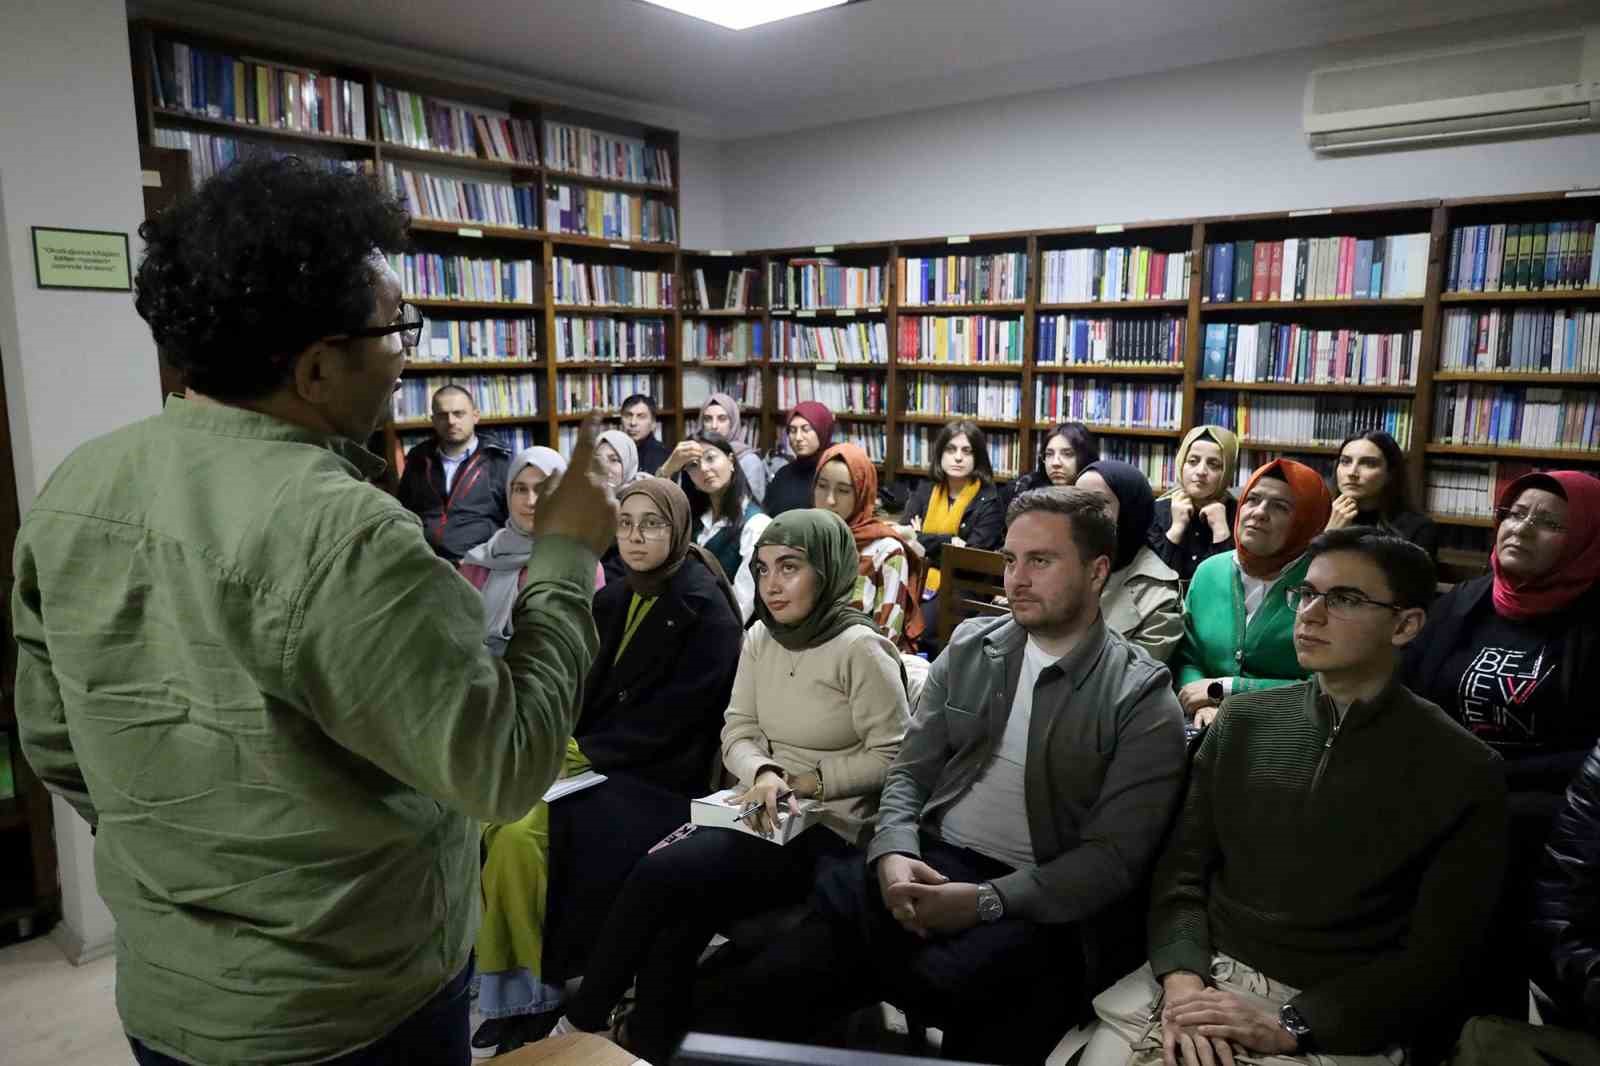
x=874, y=440
x=1469, y=489
x=1317, y=268
x=945, y=396
x=1524, y=257
x=210, y=154
x=1157, y=462
x=447, y=340
x=822, y=283
x=854, y=342
x=598, y=285
x=708, y=341
x=862, y=394
x=608, y=156
x=1288, y=352
x=1113, y=275
x=1076, y=340
x=739, y=294
x=497, y=395
x=578, y=392
x=1513, y=417
x=424, y=276
x=1559, y=340
x=610, y=340
x=1131, y=405
x=445, y=199
x=616, y=216
x=1252, y=459
x=1305, y=420
x=418, y=121
x=964, y=279
x=743, y=385
x=969, y=340
x=214, y=84
x=1004, y=447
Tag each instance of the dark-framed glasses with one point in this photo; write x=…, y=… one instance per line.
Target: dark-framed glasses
x=1342, y=602
x=1523, y=516
x=408, y=324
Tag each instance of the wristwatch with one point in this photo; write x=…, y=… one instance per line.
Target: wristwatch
x=1296, y=1027
x=991, y=908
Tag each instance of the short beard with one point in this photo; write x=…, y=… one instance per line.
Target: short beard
x=1063, y=621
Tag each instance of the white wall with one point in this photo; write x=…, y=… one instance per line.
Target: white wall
x=77, y=364
x=1218, y=139
x=702, y=222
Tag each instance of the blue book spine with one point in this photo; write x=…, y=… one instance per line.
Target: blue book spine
x=1362, y=284
x=1222, y=278
x=1480, y=256
x=1216, y=350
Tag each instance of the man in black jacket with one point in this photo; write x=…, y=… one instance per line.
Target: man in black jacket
x=456, y=483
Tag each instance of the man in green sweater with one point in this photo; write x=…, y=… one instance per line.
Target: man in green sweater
x=244, y=666
x=1338, y=855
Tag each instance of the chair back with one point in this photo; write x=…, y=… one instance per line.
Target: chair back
x=969, y=581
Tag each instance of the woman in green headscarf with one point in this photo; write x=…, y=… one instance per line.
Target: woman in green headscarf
x=1194, y=521
x=818, y=707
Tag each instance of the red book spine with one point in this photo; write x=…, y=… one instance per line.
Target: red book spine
x=1260, y=271
x=1347, y=267
x=1275, y=272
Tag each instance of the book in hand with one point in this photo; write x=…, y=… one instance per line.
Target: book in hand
x=576, y=783
x=714, y=812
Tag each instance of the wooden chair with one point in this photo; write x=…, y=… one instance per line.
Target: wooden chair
x=969, y=582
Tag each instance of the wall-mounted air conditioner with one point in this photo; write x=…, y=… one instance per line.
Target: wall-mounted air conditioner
x=1517, y=87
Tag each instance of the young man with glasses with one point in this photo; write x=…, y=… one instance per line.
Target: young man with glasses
x=1325, y=893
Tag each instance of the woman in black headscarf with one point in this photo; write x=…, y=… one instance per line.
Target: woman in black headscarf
x=1140, y=599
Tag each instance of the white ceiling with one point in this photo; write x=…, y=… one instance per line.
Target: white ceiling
x=857, y=61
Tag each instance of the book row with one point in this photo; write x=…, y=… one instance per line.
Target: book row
x=1077, y=340
x=819, y=283
x=1113, y=275
x=578, y=392
x=743, y=385
x=1317, y=268
x=1134, y=405
x=609, y=156
x=588, y=338
x=710, y=341
x=434, y=196
x=1252, y=459
x=1524, y=257
x=496, y=395
x=206, y=82
x=1004, y=447
x=969, y=340
x=1289, y=352
x=1471, y=488
x=1316, y=420
x=600, y=285
x=999, y=399
x=964, y=279
x=210, y=154
x=427, y=276
x=864, y=394
x=418, y=121
x=874, y=440
x=1157, y=462
x=738, y=294
x=854, y=342
x=1560, y=340
x=618, y=216
x=1516, y=417
x=447, y=340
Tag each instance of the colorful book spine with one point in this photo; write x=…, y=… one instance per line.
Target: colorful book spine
x=1554, y=340
x=1306, y=420
x=620, y=216
x=1113, y=275
x=964, y=279
x=611, y=157
x=1078, y=340
x=1317, y=268
x=861, y=394
x=855, y=342
x=437, y=197
x=205, y=82
x=735, y=342
x=599, y=285
x=579, y=392
x=447, y=340
x=972, y=340
x=1107, y=402
x=426, y=276
x=972, y=396
x=1295, y=354
x=1514, y=417
x=496, y=395
x=593, y=339
x=418, y=121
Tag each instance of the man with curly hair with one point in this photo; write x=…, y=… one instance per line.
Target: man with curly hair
x=246, y=668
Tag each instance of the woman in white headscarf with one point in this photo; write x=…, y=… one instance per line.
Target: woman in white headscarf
x=496, y=567
x=720, y=414
x=619, y=457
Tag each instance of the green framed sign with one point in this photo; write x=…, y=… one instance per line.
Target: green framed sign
x=81, y=259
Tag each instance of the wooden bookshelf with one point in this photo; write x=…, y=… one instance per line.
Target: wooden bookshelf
x=1500, y=377
x=426, y=304
x=1475, y=521
x=1495, y=451
x=509, y=366
x=1116, y=306
x=1301, y=387
x=1542, y=296
x=1112, y=370
x=960, y=368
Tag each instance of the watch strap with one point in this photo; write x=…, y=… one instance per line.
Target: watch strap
x=1296, y=1026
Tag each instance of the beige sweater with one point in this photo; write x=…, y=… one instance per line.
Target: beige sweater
x=840, y=706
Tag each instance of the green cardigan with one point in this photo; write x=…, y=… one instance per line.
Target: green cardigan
x=1217, y=643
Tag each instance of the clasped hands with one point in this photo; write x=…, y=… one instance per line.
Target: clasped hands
x=1201, y=1026
x=923, y=900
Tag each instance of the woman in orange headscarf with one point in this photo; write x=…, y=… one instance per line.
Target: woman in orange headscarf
x=889, y=585
x=1238, y=628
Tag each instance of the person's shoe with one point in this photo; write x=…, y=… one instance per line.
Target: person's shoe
x=486, y=1041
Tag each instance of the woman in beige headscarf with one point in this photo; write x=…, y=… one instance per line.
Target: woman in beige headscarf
x=1194, y=521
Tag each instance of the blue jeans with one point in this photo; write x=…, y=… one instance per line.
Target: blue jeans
x=436, y=1035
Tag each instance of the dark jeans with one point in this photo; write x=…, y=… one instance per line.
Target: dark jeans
x=1003, y=992
x=673, y=903
x=436, y=1035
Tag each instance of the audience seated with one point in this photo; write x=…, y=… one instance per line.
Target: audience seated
x=619, y=458
x=1140, y=599
x=889, y=581
x=720, y=415
x=1195, y=520
x=810, y=430
x=1238, y=629
x=728, y=522
x=1338, y=853
x=1032, y=791
x=819, y=707
x=1069, y=449
x=455, y=481
x=639, y=423
x=1373, y=491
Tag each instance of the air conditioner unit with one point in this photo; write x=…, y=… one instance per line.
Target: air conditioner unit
x=1516, y=87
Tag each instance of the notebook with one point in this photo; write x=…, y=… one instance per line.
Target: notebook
x=577, y=783
x=711, y=812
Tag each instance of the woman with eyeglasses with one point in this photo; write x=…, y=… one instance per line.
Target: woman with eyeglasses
x=728, y=520
x=818, y=712
x=650, y=726
x=810, y=431
x=1069, y=448
x=1238, y=627
x=1372, y=490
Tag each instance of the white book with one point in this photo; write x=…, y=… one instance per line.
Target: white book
x=715, y=812
x=1291, y=252
x=568, y=785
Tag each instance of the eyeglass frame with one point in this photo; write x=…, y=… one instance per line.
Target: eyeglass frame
x=1308, y=594
x=1530, y=517
x=661, y=532
x=384, y=331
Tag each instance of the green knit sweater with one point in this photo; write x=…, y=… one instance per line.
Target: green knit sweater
x=1359, y=863
x=1217, y=643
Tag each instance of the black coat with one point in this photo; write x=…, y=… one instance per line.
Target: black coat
x=652, y=455
x=1566, y=904
x=983, y=523
x=1418, y=528
x=475, y=507
x=790, y=488
x=1196, y=546
x=657, y=713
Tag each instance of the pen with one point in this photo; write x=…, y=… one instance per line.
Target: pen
x=754, y=807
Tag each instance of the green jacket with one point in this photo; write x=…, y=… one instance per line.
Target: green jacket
x=245, y=666
x=1217, y=643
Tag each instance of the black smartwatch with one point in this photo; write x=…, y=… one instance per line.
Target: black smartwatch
x=1215, y=691
x=1296, y=1027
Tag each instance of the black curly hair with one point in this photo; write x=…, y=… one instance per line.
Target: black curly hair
x=264, y=259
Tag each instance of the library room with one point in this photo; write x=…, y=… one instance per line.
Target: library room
x=800, y=532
